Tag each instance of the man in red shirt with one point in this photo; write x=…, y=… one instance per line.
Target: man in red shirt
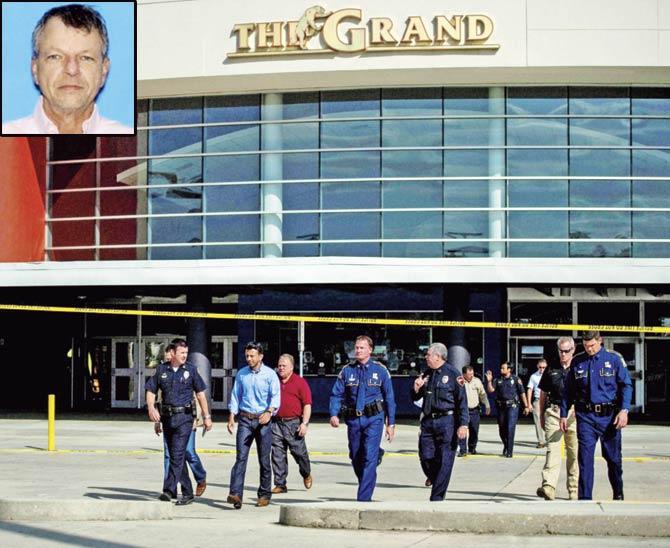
x=289, y=425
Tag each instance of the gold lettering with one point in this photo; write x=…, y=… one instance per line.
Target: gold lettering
x=415, y=31
x=269, y=32
x=356, y=35
x=292, y=36
x=449, y=27
x=381, y=31
x=480, y=27
x=243, y=31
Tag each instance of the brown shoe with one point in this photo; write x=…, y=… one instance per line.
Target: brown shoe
x=279, y=489
x=200, y=488
x=307, y=482
x=428, y=483
x=235, y=501
x=262, y=501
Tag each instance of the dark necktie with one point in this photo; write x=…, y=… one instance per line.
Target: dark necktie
x=428, y=396
x=360, y=396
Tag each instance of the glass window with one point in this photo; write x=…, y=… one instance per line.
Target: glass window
x=290, y=136
x=412, y=225
x=534, y=162
x=412, y=102
x=412, y=163
x=651, y=133
x=599, y=101
x=413, y=133
x=651, y=193
x=358, y=134
x=541, y=225
x=300, y=196
x=537, y=193
x=344, y=165
x=537, y=101
x=350, y=226
x=537, y=131
x=172, y=231
x=600, y=193
x=469, y=163
x=232, y=108
x=232, y=138
x=600, y=224
x=598, y=162
x=463, y=225
x=350, y=103
x=462, y=132
x=651, y=225
x=471, y=102
x=650, y=101
x=651, y=163
x=299, y=106
x=175, y=111
x=607, y=314
x=599, y=132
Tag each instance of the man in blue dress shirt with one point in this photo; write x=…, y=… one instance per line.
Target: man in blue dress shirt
x=599, y=386
x=363, y=395
x=254, y=399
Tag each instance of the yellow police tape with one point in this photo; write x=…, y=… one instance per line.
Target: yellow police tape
x=335, y=319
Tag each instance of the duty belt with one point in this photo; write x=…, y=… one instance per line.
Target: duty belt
x=438, y=414
x=601, y=409
x=508, y=403
x=169, y=410
x=370, y=410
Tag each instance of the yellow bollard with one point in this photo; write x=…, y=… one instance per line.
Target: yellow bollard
x=52, y=423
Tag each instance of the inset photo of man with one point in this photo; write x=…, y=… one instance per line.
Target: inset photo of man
x=68, y=68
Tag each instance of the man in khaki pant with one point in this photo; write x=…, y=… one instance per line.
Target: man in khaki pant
x=551, y=386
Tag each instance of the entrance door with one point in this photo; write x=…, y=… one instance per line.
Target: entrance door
x=132, y=365
x=631, y=350
x=224, y=350
x=125, y=363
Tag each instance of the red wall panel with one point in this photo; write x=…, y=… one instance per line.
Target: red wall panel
x=22, y=182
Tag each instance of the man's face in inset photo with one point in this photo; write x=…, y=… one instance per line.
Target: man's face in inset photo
x=70, y=68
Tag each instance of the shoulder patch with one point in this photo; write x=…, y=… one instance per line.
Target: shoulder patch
x=460, y=380
x=519, y=381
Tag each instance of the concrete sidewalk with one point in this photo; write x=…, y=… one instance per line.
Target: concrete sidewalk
x=120, y=462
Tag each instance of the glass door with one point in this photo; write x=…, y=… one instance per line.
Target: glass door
x=224, y=351
x=125, y=360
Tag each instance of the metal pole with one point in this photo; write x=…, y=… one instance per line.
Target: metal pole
x=51, y=443
x=301, y=345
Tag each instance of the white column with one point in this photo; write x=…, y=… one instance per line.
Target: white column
x=497, y=227
x=271, y=169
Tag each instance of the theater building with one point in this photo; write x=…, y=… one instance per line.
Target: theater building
x=470, y=160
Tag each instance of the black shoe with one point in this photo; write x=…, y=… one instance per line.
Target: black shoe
x=503, y=454
x=462, y=455
x=165, y=496
x=473, y=451
x=380, y=457
x=509, y=455
x=618, y=496
x=183, y=501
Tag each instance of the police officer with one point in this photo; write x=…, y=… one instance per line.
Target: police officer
x=445, y=408
x=363, y=394
x=508, y=389
x=177, y=381
x=599, y=386
x=551, y=386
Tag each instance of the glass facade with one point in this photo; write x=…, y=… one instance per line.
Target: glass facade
x=411, y=172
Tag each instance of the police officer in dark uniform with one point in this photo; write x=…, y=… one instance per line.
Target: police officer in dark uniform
x=510, y=394
x=444, y=410
x=177, y=381
x=363, y=395
x=599, y=386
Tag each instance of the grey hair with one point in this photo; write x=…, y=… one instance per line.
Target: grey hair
x=289, y=357
x=562, y=340
x=439, y=349
x=77, y=16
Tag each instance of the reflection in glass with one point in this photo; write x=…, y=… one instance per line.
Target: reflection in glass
x=650, y=101
x=534, y=162
x=358, y=134
x=355, y=103
x=600, y=193
x=537, y=131
x=464, y=225
x=651, y=133
x=600, y=224
x=540, y=100
x=599, y=132
x=470, y=132
x=345, y=226
x=541, y=225
x=651, y=225
x=175, y=111
x=598, y=162
x=412, y=102
x=538, y=193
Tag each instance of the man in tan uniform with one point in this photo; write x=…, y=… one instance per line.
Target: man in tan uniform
x=551, y=386
x=476, y=398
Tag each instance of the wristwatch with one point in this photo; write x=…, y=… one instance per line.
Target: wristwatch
x=306, y=423
x=205, y=417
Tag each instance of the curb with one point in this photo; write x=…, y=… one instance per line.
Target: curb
x=83, y=510
x=510, y=518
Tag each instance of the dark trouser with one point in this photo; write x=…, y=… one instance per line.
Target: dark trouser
x=507, y=419
x=248, y=431
x=177, y=430
x=191, y=458
x=285, y=436
x=473, y=432
x=365, y=435
x=437, y=448
x=590, y=429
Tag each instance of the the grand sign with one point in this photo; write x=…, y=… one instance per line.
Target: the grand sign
x=319, y=31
